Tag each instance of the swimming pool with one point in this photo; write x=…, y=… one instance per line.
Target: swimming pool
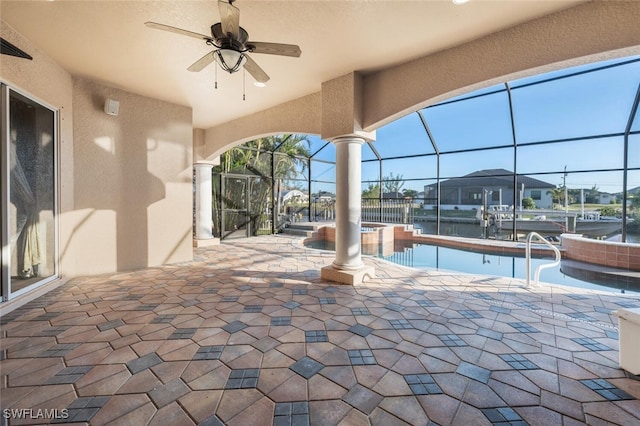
x=427, y=256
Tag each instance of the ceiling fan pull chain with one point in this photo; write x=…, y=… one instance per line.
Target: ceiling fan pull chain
x=244, y=80
x=216, y=77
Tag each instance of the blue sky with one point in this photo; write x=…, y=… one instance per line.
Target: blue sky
x=594, y=103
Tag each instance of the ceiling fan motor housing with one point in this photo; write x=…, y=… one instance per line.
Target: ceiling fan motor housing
x=226, y=41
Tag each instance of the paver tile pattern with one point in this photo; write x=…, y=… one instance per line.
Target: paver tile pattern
x=249, y=334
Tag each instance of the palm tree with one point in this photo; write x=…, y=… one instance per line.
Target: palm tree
x=557, y=195
x=273, y=160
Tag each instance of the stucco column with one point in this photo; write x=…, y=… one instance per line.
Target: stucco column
x=348, y=268
x=348, y=202
x=203, y=206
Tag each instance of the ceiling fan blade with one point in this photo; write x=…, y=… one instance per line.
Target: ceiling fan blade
x=230, y=18
x=201, y=63
x=254, y=69
x=171, y=29
x=275, y=48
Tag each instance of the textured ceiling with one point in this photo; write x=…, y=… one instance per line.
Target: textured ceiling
x=107, y=41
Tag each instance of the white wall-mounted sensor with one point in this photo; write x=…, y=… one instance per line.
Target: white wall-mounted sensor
x=111, y=107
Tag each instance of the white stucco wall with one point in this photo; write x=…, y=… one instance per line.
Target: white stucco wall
x=125, y=191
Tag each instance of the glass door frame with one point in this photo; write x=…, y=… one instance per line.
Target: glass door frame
x=5, y=184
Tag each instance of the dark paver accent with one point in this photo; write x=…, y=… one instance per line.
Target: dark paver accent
x=244, y=287
x=254, y=309
x=111, y=324
x=503, y=416
x=299, y=291
x=591, y=344
x=394, y=307
x=581, y=316
x=500, y=309
x=401, y=324
x=528, y=305
x=606, y=389
x=208, y=352
x=360, y=311
x=46, y=317
x=474, y=372
x=491, y=334
x=83, y=409
x=140, y=364
x=327, y=300
x=577, y=296
x=182, y=333
x=518, y=362
x=145, y=307
x=290, y=305
x=315, y=336
x=628, y=304
x=69, y=375
x=54, y=331
x=360, y=330
x=612, y=334
x=426, y=303
x=291, y=414
x=307, y=367
x=133, y=297
x=481, y=295
x=58, y=350
x=470, y=314
x=212, y=421
x=275, y=285
x=523, y=327
x=163, y=319
x=277, y=321
x=91, y=300
x=246, y=378
x=234, y=327
x=452, y=340
x=422, y=384
x=361, y=357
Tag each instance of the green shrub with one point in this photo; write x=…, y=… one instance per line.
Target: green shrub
x=609, y=211
x=528, y=203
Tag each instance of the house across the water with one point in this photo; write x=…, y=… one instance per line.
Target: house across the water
x=466, y=192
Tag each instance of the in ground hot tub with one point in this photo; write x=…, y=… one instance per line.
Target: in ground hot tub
x=375, y=238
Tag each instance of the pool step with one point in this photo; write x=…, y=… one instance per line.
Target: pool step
x=302, y=229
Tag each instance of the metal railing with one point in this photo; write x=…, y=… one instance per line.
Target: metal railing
x=387, y=210
x=556, y=262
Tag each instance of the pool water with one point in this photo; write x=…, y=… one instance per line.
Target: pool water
x=426, y=256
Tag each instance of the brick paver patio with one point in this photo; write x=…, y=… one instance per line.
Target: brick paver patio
x=248, y=334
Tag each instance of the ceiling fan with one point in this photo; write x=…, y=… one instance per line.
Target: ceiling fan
x=232, y=44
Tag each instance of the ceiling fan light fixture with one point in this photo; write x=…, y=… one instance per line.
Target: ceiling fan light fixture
x=230, y=60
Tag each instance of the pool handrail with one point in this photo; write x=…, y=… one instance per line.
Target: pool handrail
x=530, y=237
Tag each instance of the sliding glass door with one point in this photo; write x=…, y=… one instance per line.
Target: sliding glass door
x=28, y=163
